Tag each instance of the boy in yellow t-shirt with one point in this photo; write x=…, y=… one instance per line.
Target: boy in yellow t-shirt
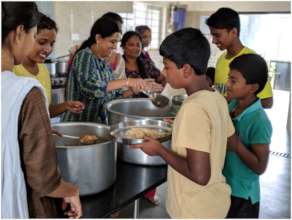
x=224, y=26
x=196, y=186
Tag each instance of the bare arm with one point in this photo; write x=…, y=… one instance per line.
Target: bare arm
x=267, y=103
x=57, y=109
x=64, y=189
x=70, y=195
x=116, y=84
x=256, y=158
x=72, y=106
x=135, y=83
x=196, y=165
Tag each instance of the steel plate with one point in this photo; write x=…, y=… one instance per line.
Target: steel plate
x=118, y=131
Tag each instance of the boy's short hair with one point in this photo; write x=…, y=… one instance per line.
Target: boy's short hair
x=224, y=18
x=187, y=46
x=211, y=73
x=253, y=68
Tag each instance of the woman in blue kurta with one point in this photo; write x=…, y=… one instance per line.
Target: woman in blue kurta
x=91, y=80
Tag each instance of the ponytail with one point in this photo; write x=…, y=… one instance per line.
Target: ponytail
x=103, y=26
x=87, y=43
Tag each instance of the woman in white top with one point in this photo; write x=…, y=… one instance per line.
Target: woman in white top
x=30, y=177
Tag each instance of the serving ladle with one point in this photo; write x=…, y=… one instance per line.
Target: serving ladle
x=65, y=135
x=157, y=99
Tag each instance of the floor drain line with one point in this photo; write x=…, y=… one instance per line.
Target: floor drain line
x=280, y=154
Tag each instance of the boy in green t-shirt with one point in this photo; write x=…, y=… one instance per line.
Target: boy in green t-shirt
x=248, y=151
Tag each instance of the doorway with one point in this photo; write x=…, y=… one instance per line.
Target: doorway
x=269, y=35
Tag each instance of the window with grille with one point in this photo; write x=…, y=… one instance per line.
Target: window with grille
x=144, y=14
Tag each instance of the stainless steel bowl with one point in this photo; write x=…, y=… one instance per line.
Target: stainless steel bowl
x=51, y=68
x=137, y=156
x=140, y=108
x=61, y=67
x=136, y=108
x=179, y=99
x=119, y=130
x=91, y=167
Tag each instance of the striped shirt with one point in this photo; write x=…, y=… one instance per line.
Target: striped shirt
x=87, y=82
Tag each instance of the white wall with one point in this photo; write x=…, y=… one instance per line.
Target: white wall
x=75, y=19
x=239, y=5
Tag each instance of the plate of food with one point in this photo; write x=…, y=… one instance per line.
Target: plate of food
x=134, y=131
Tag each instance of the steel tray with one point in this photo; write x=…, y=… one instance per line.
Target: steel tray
x=118, y=131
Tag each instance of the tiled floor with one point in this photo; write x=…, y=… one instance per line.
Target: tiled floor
x=275, y=189
x=275, y=194
x=275, y=182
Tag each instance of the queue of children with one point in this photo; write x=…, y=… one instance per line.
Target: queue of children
x=219, y=147
x=202, y=171
x=206, y=179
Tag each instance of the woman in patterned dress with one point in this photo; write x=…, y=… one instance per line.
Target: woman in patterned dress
x=90, y=78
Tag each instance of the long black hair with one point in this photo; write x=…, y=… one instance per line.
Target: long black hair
x=112, y=15
x=105, y=27
x=18, y=13
x=124, y=40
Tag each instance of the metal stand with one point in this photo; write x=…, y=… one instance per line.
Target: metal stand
x=136, y=208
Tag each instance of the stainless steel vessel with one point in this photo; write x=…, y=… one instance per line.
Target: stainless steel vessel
x=179, y=99
x=137, y=156
x=91, y=167
x=160, y=130
x=140, y=108
x=61, y=67
x=52, y=68
x=137, y=108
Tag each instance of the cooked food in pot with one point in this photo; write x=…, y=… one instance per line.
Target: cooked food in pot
x=140, y=133
x=88, y=139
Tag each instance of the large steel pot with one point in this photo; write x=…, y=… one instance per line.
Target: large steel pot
x=61, y=67
x=51, y=68
x=137, y=108
x=137, y=156
x=91, y=167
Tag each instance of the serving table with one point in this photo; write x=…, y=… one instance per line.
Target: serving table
x=131, y=184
